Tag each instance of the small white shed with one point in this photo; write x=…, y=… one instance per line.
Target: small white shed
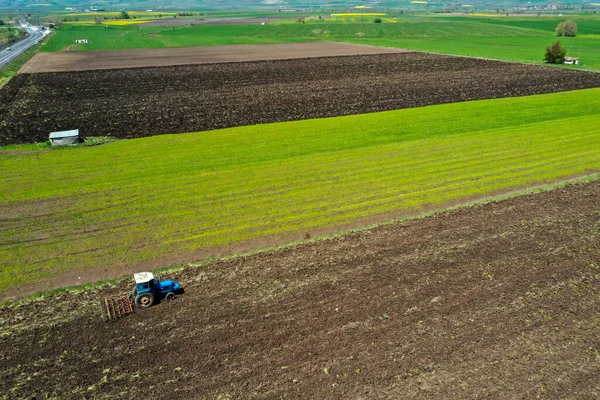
x=572, y=60
x=80, y=41
x=65, y=138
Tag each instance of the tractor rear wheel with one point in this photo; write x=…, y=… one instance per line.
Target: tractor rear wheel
x=144, y=300
x=170, y=296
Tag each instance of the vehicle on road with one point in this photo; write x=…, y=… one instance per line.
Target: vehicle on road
x=34, y=35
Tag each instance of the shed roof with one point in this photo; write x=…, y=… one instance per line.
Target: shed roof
x=63, y=134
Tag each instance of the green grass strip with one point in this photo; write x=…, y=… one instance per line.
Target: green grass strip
x=136, y=200
x=503, y=38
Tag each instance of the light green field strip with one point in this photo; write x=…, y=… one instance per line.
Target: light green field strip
x=509, y=48
x=136, y=200
x=128, y=37
x=502, y=38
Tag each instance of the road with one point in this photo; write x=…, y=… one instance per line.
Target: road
x=18, y=48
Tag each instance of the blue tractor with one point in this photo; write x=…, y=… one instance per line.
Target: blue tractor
x=148, y=290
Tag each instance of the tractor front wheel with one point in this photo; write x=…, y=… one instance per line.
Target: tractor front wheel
x=170, y=296
x=144, y=300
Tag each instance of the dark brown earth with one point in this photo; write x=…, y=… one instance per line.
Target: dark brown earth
x=130, y=103
x=493, y=301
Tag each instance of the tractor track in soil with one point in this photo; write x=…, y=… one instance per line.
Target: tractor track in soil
x=133, y=103
x=496, y=300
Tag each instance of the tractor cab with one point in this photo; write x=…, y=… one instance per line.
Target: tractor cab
x=147, y=289
x=144, y=282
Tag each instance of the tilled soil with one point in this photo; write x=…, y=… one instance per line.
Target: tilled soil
x=131, y=103
x=498, y=300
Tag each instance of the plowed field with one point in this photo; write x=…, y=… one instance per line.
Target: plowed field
x=498, y=301
x=132, y=103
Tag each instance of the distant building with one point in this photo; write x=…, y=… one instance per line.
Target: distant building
x=571, y=60
x=65, y=138
x=79, y=41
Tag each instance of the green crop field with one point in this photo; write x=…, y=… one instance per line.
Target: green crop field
x=524, y=39
x=134, y=201
x=129, y=37
x=504, y=38
x=114, y=37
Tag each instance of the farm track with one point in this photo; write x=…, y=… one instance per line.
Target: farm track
x=131, y=103
x=497, y=300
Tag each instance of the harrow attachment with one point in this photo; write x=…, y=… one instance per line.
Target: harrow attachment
x=114, y=308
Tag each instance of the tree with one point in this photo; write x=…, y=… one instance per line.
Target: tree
x=54, y=20
x=124, y=15
x=567, y=28
x=555, y=54
x=98, y=20
x=377, y=20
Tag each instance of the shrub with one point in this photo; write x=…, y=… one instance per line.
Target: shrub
x=555, y=54
x=377, y=20
x=567, y=28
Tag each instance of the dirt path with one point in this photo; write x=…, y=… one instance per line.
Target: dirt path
x=135, y=58
x=498, y=300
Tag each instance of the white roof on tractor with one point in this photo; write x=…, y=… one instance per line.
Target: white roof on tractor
x=143, y=277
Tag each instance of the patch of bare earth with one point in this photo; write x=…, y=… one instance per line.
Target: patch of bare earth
x=137, y=58
x=498, y=300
